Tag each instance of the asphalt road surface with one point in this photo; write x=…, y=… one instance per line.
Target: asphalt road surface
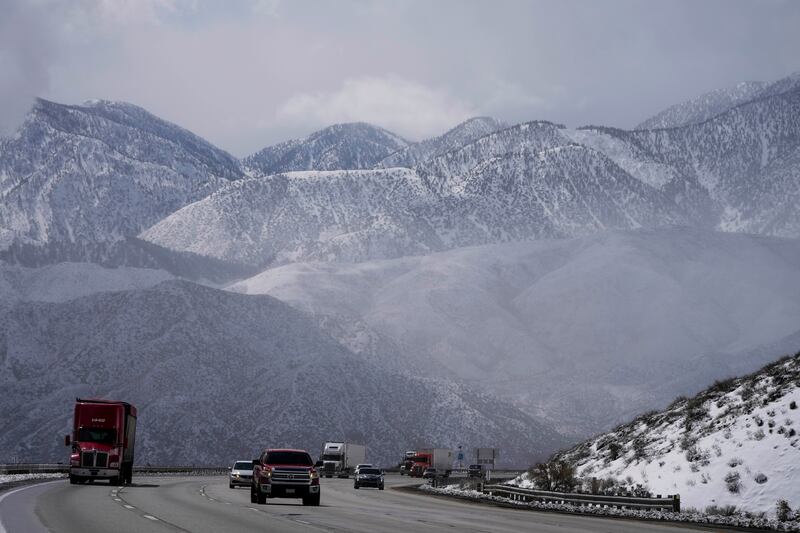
x=206, y=504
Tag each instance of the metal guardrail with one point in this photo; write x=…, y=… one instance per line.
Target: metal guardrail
x=31, y=468
x=670, y=503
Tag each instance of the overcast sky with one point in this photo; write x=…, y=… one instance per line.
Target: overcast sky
x=248, y=74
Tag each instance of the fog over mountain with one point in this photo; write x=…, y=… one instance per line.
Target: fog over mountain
x=584, y=332
x=520, y=284
x=181, y=352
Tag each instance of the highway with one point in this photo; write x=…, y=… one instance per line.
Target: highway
x=206, y=504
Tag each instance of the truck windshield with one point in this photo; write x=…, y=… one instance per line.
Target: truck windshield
x=101, y=435
x=289, y=458
x=331, y=457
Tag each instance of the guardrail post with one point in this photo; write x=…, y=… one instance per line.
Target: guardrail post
x=676, y=503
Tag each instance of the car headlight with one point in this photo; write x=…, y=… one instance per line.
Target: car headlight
x=314, y=474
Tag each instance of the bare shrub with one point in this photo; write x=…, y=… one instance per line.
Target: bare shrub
x=733, y=482
x=723, y=510
x=735, y=461
x=760, y=478
x=783, y=511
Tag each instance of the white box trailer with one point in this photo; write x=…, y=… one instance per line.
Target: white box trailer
x=441, y=459
x=341, y=458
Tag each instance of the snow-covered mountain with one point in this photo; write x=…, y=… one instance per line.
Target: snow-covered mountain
x=734, y=444
x=745, y=160
x=78, y=175
x=703, y=107
x=585, y=332
x=342, y=146
x=529, y=181
x=218, y=375
x=465, y=133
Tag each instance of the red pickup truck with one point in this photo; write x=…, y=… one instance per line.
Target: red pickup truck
x=285, y=474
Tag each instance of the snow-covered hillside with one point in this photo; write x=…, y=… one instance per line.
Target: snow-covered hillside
x=585, y=332
x=218, y=375
x=338, y=147
x=80, y=175
x=736, y=443
x=463, y=134
x=547, y=186
x=745, y=158
x=704, y=107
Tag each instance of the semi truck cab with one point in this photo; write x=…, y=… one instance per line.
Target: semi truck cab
x=102, y=441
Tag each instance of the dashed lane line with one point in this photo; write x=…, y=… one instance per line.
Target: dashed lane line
x=118, y=497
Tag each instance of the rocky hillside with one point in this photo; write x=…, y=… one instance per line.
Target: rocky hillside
x=218, y=375
x=734, y=444
x=338, y=147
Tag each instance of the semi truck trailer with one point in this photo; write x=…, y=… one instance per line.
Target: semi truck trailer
x=102, y=441
x=340, y=458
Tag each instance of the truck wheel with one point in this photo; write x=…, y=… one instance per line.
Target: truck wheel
x=261, y=498
x=113, y=480
x=312, y=499
x=380, y=488
x=253, y=497
x=73, y=480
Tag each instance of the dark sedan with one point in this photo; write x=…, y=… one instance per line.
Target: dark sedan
x=368, y=477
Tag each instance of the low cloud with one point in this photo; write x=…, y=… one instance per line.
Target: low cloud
x=403, y=106
x=25, y=55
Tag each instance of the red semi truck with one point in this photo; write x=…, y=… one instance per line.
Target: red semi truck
x=102, y=440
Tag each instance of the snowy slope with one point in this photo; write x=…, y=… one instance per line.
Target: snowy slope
x=95, y=173
x=584, y=331
x=217, y=375
x=463, y=134
x=736, y=443
x=341, y=146
x=744, y=161
x=346, y=215
x=703, y=107
x=529, y=181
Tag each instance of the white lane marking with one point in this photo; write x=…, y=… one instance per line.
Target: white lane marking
x=117, y=500
x=9, y=493
x=253, y=509
x=129, y=506
x=150, y=517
